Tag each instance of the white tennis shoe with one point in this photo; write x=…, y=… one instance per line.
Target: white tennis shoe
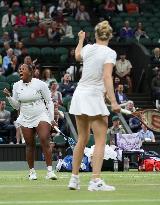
x=74, y=183
x=32, y=175
x=51, y=175
x=100, y=185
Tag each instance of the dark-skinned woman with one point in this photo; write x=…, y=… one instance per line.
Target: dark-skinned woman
x=32, y=97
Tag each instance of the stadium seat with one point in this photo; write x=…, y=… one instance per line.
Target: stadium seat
x=68, y=41
x=4, y=85
x=34, y=52
x=47, y=54
x=2, y=78
x=12, y=78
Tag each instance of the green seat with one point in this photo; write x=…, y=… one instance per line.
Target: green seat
x=61, y=51
x=47, y=54
x=63, y=59
x=68, y=41
x=42, y=41
x=155, y=40
x=153, y=35
x=34, y=52
x=2, y=78
x=83, y=24
x=4, y=85
x=2, y=95
x=12, y=78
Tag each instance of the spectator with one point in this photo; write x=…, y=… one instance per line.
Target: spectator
x=133, y=122
x=5, y=38
x=67, y=11
x=116, y=128
x=4, y=4
x=120, y=7
x=15, y=34
x=24, y=53
x=28, y=60
x=132, y=7
x=53, y=32
x=47, y=76
x=155, y=59
x=37, y=73
x=116, y=82
x=82, y=14
x=59, y=18
x=123, y=70
x=8, y=19
x=139, y=32
x=43, y=14
x=66, y=30
x=120, y=96
x=55, y=94
x=32, y=16
x=40, y=30
x=21, y=19
x=126, y=31
x=155, y=85
x=12, y=66
x=18, y=48
x=59, y=118
x=6, y=46
x=66, y=87
x=7, y=59
x=5, y=123
x=146, y=135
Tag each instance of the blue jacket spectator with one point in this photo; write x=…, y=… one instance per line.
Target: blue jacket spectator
x=126, y=32
x=120, y=96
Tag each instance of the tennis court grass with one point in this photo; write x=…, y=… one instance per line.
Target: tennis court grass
x=131, y=188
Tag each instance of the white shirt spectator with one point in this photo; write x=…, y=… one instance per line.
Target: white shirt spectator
x=5, y=20
x=123, y=67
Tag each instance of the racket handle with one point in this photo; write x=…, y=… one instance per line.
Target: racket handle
x=124, y=111
x=57, y=129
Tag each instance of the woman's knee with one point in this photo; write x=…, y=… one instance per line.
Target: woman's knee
x=44, y=140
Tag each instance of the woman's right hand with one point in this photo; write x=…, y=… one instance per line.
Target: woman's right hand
x=81, y=35
x=6, y=92
x=116, y=107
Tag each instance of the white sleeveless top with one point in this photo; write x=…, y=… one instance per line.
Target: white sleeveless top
x=94, y=57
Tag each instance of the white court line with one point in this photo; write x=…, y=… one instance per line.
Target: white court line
x=82, y=201
x=63, y=185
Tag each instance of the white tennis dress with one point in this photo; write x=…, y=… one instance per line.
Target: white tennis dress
x=88, y=97
x=34, y=101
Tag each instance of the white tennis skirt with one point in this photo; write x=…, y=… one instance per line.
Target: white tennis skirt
x=33, y=121
x=88, y=101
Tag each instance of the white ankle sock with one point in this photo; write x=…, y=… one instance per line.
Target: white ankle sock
x=75, y=176
x=32, y=170
x=49, y=168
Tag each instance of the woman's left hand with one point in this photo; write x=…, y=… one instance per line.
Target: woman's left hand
x=54, y=123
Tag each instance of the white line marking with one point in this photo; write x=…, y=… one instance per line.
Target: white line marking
x=63, y=185
x=81, y=201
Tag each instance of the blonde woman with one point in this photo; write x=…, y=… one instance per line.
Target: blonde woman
x=88, y=104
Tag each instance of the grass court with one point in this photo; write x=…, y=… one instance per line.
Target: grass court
x=133, y=187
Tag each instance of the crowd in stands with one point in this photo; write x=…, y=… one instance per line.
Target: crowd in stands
x=52, y=21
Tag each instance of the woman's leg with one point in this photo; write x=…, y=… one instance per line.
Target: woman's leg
x=99, y=126
x=43, y=131
x=83, y=128
x=29, y=135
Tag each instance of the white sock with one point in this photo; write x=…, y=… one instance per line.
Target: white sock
x=75, y=176
x=49, y=168
x=32, y=170
x=96, y=180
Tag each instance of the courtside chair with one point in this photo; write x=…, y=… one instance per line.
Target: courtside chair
x=67, y=41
